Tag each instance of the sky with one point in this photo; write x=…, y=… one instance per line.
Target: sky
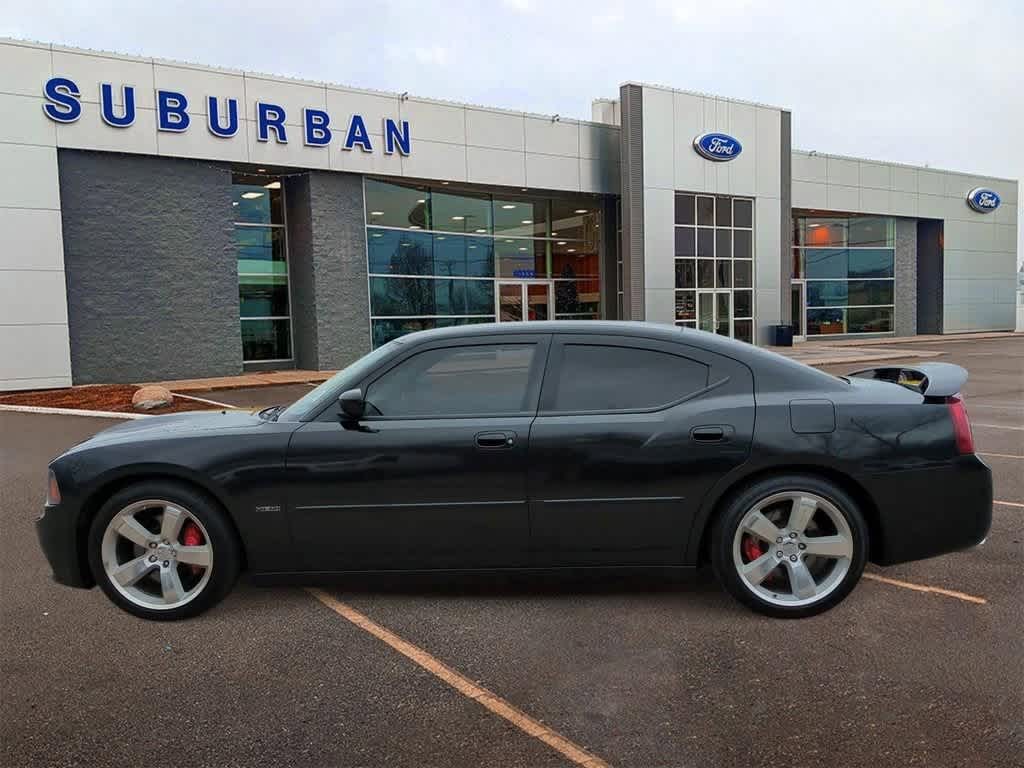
x=939, y=82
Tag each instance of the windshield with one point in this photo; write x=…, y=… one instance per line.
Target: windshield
x=344, y=379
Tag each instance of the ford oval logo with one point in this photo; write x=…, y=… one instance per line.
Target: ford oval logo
x=717, y=146
x=983, y=200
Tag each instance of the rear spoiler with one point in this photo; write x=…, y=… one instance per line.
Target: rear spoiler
x=930, y=379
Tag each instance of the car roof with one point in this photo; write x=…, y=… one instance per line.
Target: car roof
x=771, y=370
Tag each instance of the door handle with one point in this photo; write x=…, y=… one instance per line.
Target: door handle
x=710, y=434
x=495, y=440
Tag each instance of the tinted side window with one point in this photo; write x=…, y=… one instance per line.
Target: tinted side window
x=607, y=378
x=465, y=381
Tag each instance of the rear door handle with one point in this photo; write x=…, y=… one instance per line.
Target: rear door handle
x=495, y=440
x=710, y=434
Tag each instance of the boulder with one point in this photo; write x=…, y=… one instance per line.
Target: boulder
x=147, y=398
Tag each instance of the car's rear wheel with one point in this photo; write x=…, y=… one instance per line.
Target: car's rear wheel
x=790, y=546
x=163, y=551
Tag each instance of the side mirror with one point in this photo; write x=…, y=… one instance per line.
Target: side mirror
x=353, y=407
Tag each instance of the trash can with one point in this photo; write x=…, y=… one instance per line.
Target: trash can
x=782, y=335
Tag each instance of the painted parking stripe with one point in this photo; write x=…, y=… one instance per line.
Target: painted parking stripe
x=1009, y=503
x=996, y=426
x=924, y=588
x=494, y=703
x=1001, y=455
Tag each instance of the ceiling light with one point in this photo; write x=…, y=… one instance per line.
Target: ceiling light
x=481, y=230
x=522, y=249
x=524, y=189
x=406, y=245
x=272, y=185
x=814, y=225
x=554, y=234
x=508, y=206
x=414, y=226
x=561, y=242
x=440, y=237
x=572, y=250
x=458, y=218
x=444, y=183
x=376, y=234
x=234, y=202
x=376, y=213
x=421, y=200
x=527, y=221
x=251, y=195
x=581, y=210
x=261, y=170
x=510, y=241
x=472, y=247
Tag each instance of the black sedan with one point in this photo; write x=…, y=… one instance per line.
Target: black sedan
x=533, y=445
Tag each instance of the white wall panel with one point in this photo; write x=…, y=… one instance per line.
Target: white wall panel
x=875, y=201
x=904, y=179
x=690, y=168
x=436, y=160
x=495, y=130
x=810, y=168
x=32, y=297
x=875, y=175
x=549, y=137
x=291, y=95
x=357, y=161
x=198, y=142
x=660, y=306
x=931, y=182
x=197, y=84
x=659, y=241
x=434, y=122
x=767, y=156
x=808, y=194
x=88, y=70
x=30, y=239
x=599, y=176
x=599, y=141
x=90, y=132
x=495, y=166
x=25, y=68
x=342, y=104
x=551, y=171
x=292, y=153
x=843, y=198
x=659, y=139
x=35, y=168
x=843, y=172
x=34, y=356
x=24, y=121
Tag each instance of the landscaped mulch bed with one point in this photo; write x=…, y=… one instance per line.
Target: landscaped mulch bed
x=98, y=397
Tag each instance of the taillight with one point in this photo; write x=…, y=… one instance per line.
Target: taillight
x=52, y=490
x=961, y=425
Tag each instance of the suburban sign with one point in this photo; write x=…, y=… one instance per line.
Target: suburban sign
x=63, y=105
x=717, y=146
x=983, y=200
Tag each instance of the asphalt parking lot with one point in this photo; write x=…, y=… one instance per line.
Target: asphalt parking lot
x=632, y=672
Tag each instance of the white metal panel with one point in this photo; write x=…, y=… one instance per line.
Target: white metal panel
x=808, y=167
x=88, y=70
x=198, y=142
x=551, y=171
x=599, y=176
x=843, y=198
x=903, y=203
x=197, y=84
x=690, y=168
x=30, y=239
x=599, y=141
x=436, y=160
x=357, y=161
x=659, y=240
x=292, y=96
x=430, y=121
x=875, y=175
x=34, y=356
x=342, y=104
x=659, y=133
x=875, y=201
x=495, y=130
x=32, y=297
x=904, y=179
x=35, y=168
x=931, y=182
x=292, y=153
x=495, y=166
x=551, y=137
x=767, y=155
x=809, y=194
x=90, y=132
x=768, y=243
x=660, y=305
x=25, y=68
x=1004, y=238
x=24, y=121
x=843, y=172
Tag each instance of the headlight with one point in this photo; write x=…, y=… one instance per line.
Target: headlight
x=52, y=491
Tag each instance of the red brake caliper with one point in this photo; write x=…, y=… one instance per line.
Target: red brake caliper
x=191, y=536
x=752, y=548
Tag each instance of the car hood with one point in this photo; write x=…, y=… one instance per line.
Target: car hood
x=175, y=425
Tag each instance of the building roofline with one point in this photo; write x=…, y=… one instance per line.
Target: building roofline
x=138, y=58
x=815, y=153
x=704, y=95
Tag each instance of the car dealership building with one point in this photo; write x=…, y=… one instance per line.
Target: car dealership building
x=164, y=220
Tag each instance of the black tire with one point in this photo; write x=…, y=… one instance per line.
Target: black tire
x=222, y=538
x=741, y=503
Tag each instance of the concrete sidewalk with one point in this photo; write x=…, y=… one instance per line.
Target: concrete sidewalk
x=815, y=353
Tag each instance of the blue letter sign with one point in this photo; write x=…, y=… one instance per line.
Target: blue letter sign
x=717, y=146
x=983, y=200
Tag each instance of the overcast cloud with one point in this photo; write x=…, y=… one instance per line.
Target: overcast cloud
x=938, y=82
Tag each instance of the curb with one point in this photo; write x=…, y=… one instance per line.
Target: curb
x=72, y=412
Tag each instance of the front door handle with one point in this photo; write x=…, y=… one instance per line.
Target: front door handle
x=709, y=434
x=495, y=440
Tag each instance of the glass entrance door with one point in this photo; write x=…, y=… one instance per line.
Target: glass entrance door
x=714, y=312
x=798, y=301
x=525, y=300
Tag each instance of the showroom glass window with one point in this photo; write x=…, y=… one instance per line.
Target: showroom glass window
x=263, y=296
x=714, y=260
x=441, y=255
x=847, y=263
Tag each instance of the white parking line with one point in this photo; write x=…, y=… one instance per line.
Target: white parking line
x=924, y=588
x=996, y=426
x=1001, y=455
x=1009, y=503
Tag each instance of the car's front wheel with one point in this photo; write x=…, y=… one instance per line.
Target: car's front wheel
x=161, y=550
x=790, y=546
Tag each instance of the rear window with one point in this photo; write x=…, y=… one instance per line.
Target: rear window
x=596, y=377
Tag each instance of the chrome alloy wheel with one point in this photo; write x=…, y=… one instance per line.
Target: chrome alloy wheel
x=792, y=548
x=157, y=554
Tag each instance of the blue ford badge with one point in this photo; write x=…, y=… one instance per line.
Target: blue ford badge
x=717, y=146
x=983, y=200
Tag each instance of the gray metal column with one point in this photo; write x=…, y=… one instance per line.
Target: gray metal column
x=632, y=168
